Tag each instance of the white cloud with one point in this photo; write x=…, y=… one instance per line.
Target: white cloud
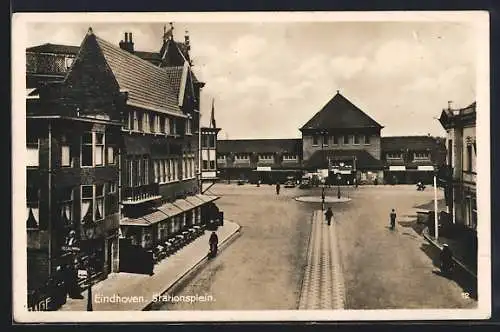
x=347, y=67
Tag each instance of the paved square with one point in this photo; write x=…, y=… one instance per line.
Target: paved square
x=265, y=267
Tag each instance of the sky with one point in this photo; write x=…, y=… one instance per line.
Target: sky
x=268, y=79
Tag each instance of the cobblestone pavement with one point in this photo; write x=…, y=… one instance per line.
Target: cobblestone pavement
x=323, y=284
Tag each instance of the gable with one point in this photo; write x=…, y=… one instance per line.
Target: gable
x=89, y=87
x=340, y=113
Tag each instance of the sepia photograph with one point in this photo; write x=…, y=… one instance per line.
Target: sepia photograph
x=251, y=166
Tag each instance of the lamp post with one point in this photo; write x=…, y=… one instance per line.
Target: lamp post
x=339, y=177
x=90, y=233
x=436, y=222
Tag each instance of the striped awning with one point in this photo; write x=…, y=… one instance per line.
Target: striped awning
x=207, y=198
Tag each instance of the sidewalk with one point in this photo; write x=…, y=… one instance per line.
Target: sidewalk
x=463, y=254
x=132, y=291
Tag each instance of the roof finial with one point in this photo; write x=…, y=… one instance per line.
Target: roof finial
x=89, y=32
x=449, y=104
x=338, y=91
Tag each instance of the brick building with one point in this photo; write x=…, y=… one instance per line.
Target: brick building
x=121, y=127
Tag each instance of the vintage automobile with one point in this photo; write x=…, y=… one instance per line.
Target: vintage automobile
x=305, y=183
x=290, y=182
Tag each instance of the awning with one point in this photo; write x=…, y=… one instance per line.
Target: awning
x=206, y=198
x=195, y=201
x=426, y=168
x=183, y=204
x=170, y=209
x=397, y=168
x=135, y=222
x=155, y=217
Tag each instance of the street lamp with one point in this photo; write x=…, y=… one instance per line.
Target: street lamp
x=339, y=177
x=90, y=233
x=436, y=222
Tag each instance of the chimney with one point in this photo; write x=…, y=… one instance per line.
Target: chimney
x=128, y=44
x=186, y=41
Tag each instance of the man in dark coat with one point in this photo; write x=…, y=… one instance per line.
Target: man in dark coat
x=329, y=216
x=393, y=219
x=213, y=242
x=277, y=188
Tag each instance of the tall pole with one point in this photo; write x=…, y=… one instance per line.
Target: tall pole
x=200, y=183
x=436, y=223
x=50, y=198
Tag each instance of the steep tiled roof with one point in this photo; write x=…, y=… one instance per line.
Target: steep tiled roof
x=293, y=145
x=414, y=143
x=54, y=48
x=175, y=76
x=338, y=113
x=364, y=160
x=149, y=56
x=148, y=85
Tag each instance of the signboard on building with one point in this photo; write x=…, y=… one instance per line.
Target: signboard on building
x=263, y=168
x=426, y=168
x=397, y=168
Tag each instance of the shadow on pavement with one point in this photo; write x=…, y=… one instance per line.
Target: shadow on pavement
x=413, y=224
x=459, y=276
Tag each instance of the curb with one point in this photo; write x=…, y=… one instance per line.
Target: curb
x=426, y=235
x=230, y=239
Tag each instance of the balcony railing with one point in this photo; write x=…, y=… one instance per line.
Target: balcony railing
x=140, y=194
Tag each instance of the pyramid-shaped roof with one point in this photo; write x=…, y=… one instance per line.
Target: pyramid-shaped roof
x=340, y=113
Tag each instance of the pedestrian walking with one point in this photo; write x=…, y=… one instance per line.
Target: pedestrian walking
x=329, y=216
x=323, y=199
x=355, y=181
x=393, y=219
x=277, y=188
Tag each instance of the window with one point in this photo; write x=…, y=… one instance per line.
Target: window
x=184, y=168
x=129, y=120
x=474, y=213
x=367, y=139
x=111, y=202
x=151, y=119
x=469, y=158
x=450, y=152
x=188, y=126
x=87, y=210
x=168, y=171
x=111, y=155
x=156, y=170
x=212, y=164
x=167, y=126
x=92, y=149
x=173, y=127
x=324, y=139
x=266, y=157
x=66, y=207
x=241, y=156
x=130, y=170
x=356, y=139
x=65, y=156
x=421, y=156
x=315, y=140
x=145, y=122
x=163, y=171
x=345, y=139
x=335, y=139
x=32, y=208
x=137, y=172
x=68, y=62
x=137, y=122
x=86, y=159
x=211, y=141
x=112, y=187
x=394, y=155
x=99, y=199
x=146, y=171
x=157, y=124
x=99, y=149
x=205, y=164
x=289, y=157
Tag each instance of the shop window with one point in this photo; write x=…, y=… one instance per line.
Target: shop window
x=212, y=164
x=335, y=140
x=315, y=140
x=32, y=207
x=345, y=139
x=66, y=207
x=205, y=164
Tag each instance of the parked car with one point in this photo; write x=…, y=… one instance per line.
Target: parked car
x=305, y=184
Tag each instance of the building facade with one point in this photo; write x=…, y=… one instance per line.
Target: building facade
x=410, y=159
x=267, y=160
x=112, y=141
x=459, y=177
